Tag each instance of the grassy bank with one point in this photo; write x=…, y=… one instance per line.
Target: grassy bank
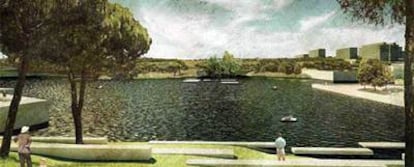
x=158, y=160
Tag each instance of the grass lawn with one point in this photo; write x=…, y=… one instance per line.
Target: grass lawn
x=158, y=160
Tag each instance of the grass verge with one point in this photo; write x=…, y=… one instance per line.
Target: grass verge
x=158, y=160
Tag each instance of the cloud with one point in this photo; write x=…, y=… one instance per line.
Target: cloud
x=281, y=4
x=313, y=22
x=188, y=36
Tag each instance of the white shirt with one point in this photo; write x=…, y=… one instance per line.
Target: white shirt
x=280, y=142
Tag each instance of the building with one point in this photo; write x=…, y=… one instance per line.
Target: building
x=317, y=53
x=382, y=51
x=347, y=53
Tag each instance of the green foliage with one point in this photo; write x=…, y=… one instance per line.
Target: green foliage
x=22, y=26
x=327, y=64
x=94, y=36
x=228, y=66
x=127, y=41
x=373, y=72
x=152, y=65
x=297, y=69
x=375, y=11
x=287, y=66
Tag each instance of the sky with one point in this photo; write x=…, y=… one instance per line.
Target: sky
x=192, y=29
x=189, y=29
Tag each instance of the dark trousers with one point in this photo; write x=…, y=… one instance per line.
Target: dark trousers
x=25, y=159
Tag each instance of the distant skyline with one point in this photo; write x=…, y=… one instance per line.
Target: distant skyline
x=252, y=28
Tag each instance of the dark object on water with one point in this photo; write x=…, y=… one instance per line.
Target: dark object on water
x=289, y=118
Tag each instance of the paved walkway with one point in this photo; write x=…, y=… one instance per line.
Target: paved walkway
x=220, y=153
x=396, y=98
x=295, y=163
x=331, y=151
x=245, y=144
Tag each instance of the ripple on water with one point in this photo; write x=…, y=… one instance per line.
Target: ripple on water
x=143, y=110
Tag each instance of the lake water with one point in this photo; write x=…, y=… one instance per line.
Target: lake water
x=168, y=109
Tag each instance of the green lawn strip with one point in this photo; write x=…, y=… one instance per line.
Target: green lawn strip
x=158, y=160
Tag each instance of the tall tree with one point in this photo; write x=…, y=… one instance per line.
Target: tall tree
x=22, y=25
x=401, y=12
x=86, y=36
x=127, y=40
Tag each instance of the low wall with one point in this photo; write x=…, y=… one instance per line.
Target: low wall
x=69, y=140
x=319, y=74
x=333, y=76
x=32, y=111
x=345, y=76
x=85, y=152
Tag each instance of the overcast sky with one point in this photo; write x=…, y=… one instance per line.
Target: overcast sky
x=251, y=28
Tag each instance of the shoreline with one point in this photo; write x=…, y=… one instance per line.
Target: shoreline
x=353, y=90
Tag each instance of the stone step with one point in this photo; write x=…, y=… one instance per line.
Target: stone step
x=32, y=112
x=230, y=143
x=294, y=163
x=86, y=152
x=69, y=140
x=220, y=153
x=383, y=145
x=331, y=151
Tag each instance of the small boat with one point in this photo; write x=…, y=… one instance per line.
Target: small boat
x=99, y=87
x=274, y=87
x=289, y=118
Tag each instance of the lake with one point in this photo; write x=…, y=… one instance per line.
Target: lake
x=168, y=109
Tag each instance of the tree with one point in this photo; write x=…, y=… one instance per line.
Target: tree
x=374, y=73
x=213, y=67
x=176, y=67
x=85, y=36
x=228, y=66
x=297, y=69
x=128, y=40
x=231, y=66
x=363, y=75
x=401, y=12
x=22, y=25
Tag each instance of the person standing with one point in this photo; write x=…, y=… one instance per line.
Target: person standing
x=280, y=143
x=23, y=141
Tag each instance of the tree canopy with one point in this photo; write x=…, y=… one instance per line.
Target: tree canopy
x=373, y=72
x=86, y=37
x=375, y=11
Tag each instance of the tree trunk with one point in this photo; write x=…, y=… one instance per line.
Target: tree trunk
x=14, y=106
x=408, y=85
x=76, y=113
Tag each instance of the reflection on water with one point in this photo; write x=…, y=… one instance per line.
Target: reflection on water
x=172, y=110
